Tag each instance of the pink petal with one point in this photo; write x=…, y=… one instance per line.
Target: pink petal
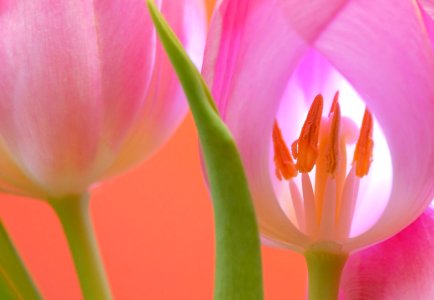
x=428, y=6
x=13, y=179
x=427, y=11
x=165, y=104
x=126, y=40
x=394, y=76
x=50, y=104
x=399, y=268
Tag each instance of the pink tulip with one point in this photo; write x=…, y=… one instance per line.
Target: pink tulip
x=86, y=92
x=266, y=61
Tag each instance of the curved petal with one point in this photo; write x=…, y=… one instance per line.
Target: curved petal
x=427, y=6
x=50, y=94
x=427, y=11
x=165, y=104
x=13, y=179
x=408, y=259
x=250, y=55
x=126, y=41
x=394, y=76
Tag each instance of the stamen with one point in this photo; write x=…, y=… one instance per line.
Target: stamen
x=327, y=225
x=349, y=201
x=334, y=103
x=305, y=149
x=310, y=210
x=297, y=203
x=332, y=153
x=282, y=158
x=364, y=147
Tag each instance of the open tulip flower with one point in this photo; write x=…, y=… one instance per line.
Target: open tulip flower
x=86, y=92
x=331, y=104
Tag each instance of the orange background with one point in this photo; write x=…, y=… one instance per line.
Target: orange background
x=155, y=230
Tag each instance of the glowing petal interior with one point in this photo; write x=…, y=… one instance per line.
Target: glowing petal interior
x=369, y=194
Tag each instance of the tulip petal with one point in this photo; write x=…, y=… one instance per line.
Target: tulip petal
x=399, y=268
x=50, y=101
x=13, y=179
x=165, y=104
x=250, y=55
x=427, y=11
x=126, y=42
x=394, y=76
x=427, y=6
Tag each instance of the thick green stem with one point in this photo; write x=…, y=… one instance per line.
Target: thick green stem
x=73, y=213
x=15, y=281
x=325, y=269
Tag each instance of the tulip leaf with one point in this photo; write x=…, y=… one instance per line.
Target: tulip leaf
x=15, y=281
x=238, y=261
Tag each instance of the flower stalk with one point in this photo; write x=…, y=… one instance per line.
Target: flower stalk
x=324, y=273
x=73, y=213
x=238, y=271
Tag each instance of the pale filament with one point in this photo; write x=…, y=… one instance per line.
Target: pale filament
x=324, y=211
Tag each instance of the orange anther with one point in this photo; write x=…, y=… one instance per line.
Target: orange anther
x=333, y=143
x=364, y=147
x=334, y=103
x=306, y=148
x=284, y=164
x=294, y=149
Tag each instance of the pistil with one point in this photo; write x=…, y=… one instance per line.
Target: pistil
x=326, y=185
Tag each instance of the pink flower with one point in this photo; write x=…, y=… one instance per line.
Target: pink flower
x=323, y=178
x=86, y=91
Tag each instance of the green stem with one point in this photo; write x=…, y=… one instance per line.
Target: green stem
x=15, y=281
x=73, y=213
x=325, y=269
x=8, y=291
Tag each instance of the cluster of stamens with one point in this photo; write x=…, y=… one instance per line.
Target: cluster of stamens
x=325, y=211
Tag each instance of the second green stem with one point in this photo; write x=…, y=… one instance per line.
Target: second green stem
x=73, y=213
x=324, y=269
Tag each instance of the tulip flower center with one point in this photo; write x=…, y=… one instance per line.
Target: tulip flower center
x=325, y=210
